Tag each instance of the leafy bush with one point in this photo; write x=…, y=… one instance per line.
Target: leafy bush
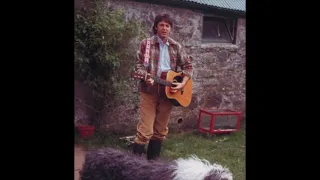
x=105, y=44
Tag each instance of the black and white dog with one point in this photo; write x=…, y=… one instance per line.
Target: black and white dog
x=114, y=164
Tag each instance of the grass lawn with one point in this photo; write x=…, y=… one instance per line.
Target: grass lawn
x=227, y=150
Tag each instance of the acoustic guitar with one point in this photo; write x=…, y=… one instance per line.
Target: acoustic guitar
x=180, y=97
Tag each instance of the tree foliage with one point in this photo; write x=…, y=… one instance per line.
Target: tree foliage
x=105, y=44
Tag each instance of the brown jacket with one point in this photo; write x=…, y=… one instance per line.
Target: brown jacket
x=177, y=55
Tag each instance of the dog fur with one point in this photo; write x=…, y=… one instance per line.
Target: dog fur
x=115, y=164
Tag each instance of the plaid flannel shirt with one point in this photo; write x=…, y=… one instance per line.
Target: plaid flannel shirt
x=177, y=55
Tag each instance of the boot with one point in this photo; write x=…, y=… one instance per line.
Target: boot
x=138, y=148
x=154, y=149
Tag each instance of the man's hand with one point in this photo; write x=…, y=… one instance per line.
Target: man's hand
x=178, y=86
x=150, y=81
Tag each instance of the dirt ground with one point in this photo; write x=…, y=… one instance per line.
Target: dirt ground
x=79, y=154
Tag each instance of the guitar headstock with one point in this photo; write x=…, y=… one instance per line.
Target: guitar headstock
x=139, y=75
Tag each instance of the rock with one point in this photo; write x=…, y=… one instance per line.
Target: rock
x=223, y=55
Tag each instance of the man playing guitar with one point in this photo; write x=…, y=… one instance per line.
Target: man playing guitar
x=156, y=56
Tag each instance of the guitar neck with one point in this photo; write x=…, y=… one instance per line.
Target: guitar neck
x=156, y=79
x=162, y=81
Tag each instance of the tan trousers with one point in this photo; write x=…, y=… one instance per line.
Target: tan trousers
x=154, y=118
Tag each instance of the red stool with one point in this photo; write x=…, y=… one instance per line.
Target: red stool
x=212, y=115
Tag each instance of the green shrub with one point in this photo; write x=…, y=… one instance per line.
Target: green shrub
x=105, y=45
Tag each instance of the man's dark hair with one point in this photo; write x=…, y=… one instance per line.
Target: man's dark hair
x=161, y=17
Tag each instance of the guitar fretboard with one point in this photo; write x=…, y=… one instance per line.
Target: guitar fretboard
x=162, y=81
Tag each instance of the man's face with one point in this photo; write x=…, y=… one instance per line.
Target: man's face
x=163, y=29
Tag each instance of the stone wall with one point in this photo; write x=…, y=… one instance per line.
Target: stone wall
x=219, y=78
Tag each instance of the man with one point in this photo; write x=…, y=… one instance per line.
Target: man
x=155, y=108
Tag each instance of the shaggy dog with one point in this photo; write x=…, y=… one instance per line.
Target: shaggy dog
x=114, y=164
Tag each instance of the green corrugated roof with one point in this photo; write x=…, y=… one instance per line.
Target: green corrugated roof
x=239, y=5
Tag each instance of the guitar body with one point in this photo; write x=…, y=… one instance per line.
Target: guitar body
x=178, y=97
x=181, y=97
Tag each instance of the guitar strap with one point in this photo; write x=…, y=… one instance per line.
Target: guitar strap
x=147, y=57
x=146, y=54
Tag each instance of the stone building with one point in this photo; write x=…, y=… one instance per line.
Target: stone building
x=213, y=33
